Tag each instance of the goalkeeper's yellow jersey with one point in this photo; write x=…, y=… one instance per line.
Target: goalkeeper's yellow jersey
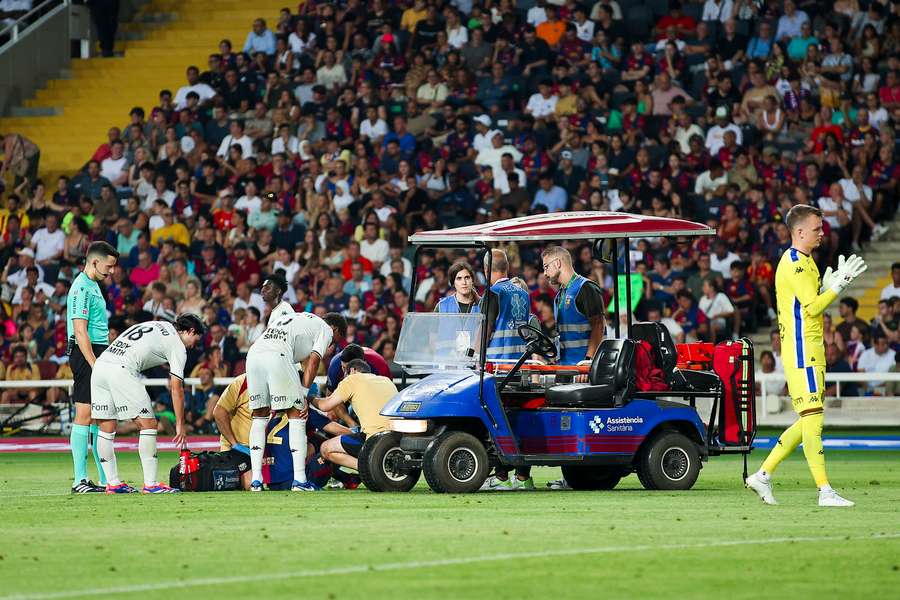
x=800, y=310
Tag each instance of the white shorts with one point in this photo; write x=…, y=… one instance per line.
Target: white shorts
x=117, y=393
x=273, y=381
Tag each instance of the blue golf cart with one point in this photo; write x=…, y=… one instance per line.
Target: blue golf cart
x=468, y=415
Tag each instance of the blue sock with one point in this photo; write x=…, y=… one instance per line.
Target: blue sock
x=94, y=431
x=78, y=440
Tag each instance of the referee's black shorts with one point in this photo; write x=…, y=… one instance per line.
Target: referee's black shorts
x=81, y=373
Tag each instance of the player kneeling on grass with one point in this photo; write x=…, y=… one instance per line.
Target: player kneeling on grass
x=274, y=384
x=232, y=415
x=801, y=306
x=367, y=393
x=117, y=392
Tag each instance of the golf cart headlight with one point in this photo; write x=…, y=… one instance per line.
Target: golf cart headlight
x=409, y=425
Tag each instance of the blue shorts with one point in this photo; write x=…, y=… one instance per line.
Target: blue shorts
x=316, y=421
x=353, y=443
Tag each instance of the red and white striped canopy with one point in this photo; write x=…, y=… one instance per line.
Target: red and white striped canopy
x=588, y=225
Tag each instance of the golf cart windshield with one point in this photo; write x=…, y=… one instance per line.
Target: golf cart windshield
x=439, y=341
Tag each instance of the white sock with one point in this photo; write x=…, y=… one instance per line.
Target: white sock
x=762, y=475
x=107, y=448
x=297, y=442
x=826, y=489
x=147, y=452
x=257, y=447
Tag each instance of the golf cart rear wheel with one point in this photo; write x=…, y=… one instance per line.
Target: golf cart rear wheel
x=670, y=461
x=455, y=463
x=582, y=477
x=379, y=461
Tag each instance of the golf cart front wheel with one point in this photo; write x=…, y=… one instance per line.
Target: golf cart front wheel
x=455, y=463
x=583, y=477
x=380, y=465
x=670, y=461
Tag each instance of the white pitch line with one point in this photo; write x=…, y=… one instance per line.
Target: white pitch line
x=426, y=564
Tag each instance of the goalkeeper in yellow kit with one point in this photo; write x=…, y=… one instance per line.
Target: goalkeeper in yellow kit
x=801, y=302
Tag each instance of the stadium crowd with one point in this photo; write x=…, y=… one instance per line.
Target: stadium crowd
x=326, y=138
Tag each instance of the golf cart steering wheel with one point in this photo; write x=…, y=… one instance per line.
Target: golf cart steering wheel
x=537, y=341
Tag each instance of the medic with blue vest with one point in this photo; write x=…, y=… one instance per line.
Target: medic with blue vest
x=464, y=299
x=505, y=306
x=578, y=308
x=579, y=311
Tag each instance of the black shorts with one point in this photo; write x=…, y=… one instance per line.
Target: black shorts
x=353, y=443
x=81, y=373
x=237, y=460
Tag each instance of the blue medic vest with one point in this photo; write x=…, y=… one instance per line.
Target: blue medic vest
x=574, y=328
x=448, y=304
x=513, y=311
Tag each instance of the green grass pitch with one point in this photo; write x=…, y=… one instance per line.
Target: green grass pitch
x=715, y=541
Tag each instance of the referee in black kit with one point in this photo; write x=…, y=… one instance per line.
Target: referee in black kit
x=87, y=328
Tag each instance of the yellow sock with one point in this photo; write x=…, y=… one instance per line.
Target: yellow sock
x=786, y=444
x=812, y=446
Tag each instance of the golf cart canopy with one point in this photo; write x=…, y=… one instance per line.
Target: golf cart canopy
x=593, y=225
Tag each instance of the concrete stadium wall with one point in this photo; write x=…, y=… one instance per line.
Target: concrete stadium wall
x=38, y=55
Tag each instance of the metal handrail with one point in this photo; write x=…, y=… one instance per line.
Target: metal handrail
x=27, y=20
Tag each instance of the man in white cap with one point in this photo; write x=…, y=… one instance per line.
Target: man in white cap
x=492, y=156
x=20, y=277
x=482, y=139
x=715, y=137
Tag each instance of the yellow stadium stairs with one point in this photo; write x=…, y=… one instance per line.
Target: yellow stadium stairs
x=100, y=92
x=879, y=257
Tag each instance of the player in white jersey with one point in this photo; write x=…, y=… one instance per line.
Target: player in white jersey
x=117, y=393
x=274, y=383
x=272, y=292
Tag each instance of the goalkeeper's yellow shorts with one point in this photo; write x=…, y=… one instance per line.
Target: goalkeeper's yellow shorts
x=807, y=388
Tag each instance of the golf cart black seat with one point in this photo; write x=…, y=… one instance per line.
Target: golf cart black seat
x=611, y=379
x=666, y=355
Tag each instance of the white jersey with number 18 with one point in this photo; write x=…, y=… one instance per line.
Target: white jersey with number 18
x=147, y=345
x=296, y=335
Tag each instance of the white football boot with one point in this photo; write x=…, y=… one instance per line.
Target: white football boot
x=830, y=497
x=762, y=486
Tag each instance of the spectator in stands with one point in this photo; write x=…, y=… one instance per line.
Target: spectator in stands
x=33, y=283
x=692, y=320
x=21, y=370
x=260, y=39
x=791, y=22
x=21, y=157
x=892, y=289
x=886, y=322
x=720, y=312
x=847, y=308
x=877, y=359
x=892, y=388
x=204, y=91
x=48, y=242
x=551, y=197
x=90, y=183
x=721, y=259
x=837, y=363
x=235, y=137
